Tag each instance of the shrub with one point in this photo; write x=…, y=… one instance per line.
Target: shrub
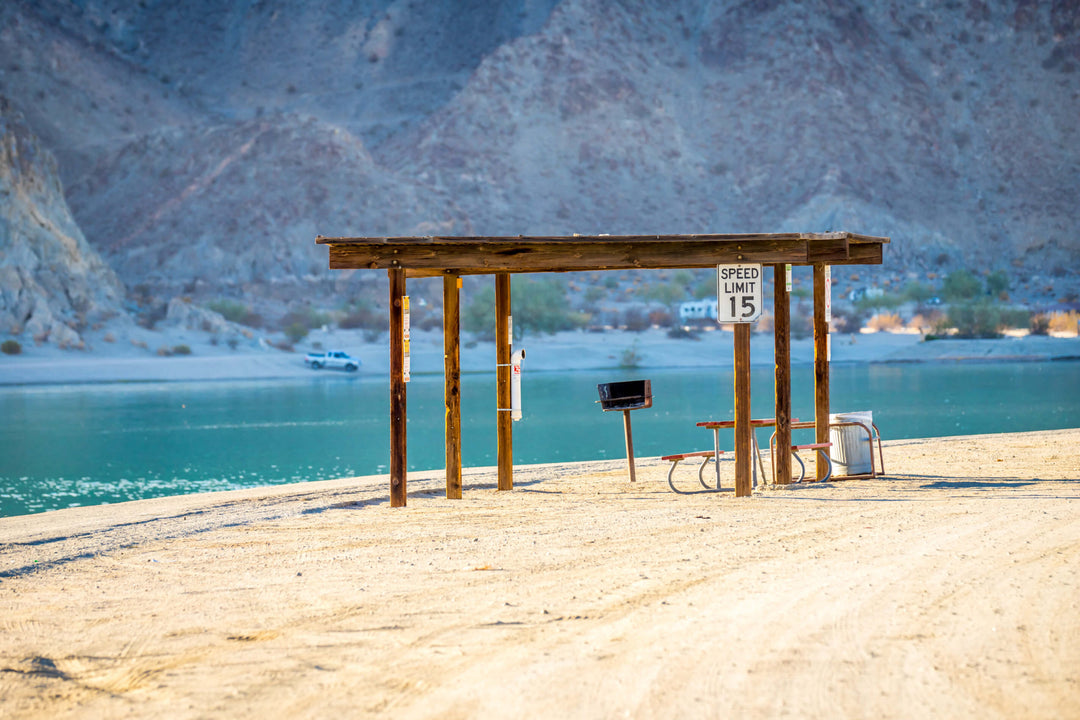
x=960, y=285
x=918, y=292
x=883, y=322
x=802, y=325
x=305, y=316
x=10, y=347
x=1065, y=322
x=661, y=318
x=594, y=294
x=1039, y=324
x=881, y=302
x=236, y=312
x=997, y=284
x=630, y=358
x=538, y=306
x=1014, y=318
x=635, y=320
x=664, y=293
x=181, y=350
x=296, y=331
x=975, y=319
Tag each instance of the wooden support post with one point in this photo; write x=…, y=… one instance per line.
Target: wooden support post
x=629, y=445
x=821, y=366
x=398, y=466
x=744, y=460
x=502, y=379
x=452, y=383
x=782, y=374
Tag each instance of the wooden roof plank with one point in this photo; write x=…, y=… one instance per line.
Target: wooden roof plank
x=429, y=256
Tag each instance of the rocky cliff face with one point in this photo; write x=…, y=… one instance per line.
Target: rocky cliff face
x=52, y=283
x=951, y=129
x=204, y=145
x=239, y=214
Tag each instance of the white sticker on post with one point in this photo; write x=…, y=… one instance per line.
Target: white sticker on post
x=406, y=365
x=828, y=293
x=787, y=277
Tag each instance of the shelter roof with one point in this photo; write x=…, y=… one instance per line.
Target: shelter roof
x=449, y=255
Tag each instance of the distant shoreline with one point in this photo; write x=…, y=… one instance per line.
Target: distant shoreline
x=562, y=352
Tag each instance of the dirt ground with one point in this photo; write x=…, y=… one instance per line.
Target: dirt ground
x=948, y=588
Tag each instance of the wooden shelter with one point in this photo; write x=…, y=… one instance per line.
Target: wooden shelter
x=452, y=257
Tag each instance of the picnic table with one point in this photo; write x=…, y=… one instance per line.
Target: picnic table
x=717, y=425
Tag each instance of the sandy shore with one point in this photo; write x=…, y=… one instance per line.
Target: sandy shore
x=121, y=362
x=948, y=588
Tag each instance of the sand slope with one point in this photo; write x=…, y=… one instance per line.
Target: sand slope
x=949, y=588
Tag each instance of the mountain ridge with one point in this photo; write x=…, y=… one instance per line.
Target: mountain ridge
x=203, y=147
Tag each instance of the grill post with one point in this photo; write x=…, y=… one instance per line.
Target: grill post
x=626, y=396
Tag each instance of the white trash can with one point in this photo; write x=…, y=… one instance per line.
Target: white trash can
x=852, y=449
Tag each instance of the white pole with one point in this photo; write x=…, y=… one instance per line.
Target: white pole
x=515, y=384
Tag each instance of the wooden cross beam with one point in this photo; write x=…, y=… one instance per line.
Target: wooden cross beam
x=437, y=256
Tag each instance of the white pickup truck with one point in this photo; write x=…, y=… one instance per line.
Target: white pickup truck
x=332, y=359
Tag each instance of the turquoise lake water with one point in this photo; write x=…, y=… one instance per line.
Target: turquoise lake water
x=68, y=446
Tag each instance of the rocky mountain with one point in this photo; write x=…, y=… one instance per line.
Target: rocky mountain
x=203, y=145
x=52, y=283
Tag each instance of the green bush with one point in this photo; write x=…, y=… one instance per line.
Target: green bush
x=664, y=293
x=917, y=292
x=960, y=285
x=10, y=347
x=296, y=331
x=997, y=283
x=976, y=319
x=181, y=350
x=236, y=312
x=630, y=358
x=1014, y=318
x=705, y=289
x=881, y=302
x=537, y=306
x=307, y=316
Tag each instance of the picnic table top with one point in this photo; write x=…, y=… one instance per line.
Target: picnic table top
x=758, y=422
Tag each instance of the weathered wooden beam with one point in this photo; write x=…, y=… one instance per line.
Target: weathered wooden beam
x=398, y=464
x=782, y=373
x=505, y=424
x=432, y=256
x=530, y=256
x=863, y=254
x=744, y=459
x=821, y=366
x=827, y=251
x=452, y=383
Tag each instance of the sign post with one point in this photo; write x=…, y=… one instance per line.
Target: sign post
x=739, y=301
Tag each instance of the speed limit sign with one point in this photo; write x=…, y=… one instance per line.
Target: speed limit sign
x=738, y=293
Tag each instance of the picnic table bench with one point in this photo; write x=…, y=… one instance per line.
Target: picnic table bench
x=716, y=426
